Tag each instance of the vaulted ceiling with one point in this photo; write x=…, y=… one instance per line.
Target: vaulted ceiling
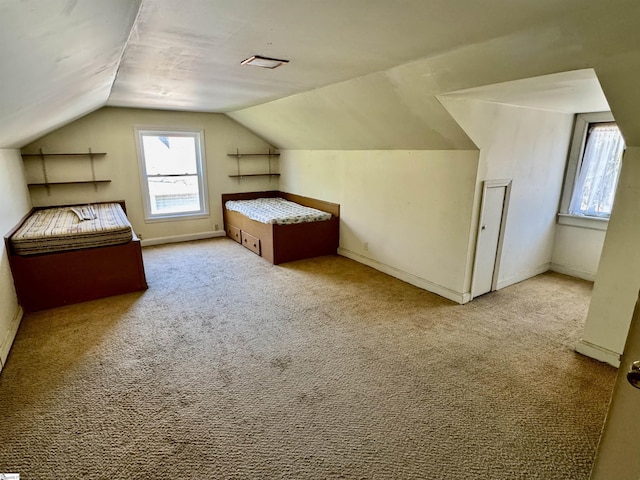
x=362, y=73
x=186, y=55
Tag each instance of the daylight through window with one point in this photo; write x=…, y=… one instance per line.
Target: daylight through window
x=598, y=172
x=173, y=176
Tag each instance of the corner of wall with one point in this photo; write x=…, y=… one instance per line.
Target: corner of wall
x=10, y=334
x=432, y=287
x=598, y=353
x=523, y=275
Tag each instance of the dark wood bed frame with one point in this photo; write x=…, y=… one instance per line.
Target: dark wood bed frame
x=55, y=279
x=284, y=243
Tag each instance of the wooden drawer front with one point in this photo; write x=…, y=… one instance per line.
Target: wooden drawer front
x=251, y=242
x=234, y=233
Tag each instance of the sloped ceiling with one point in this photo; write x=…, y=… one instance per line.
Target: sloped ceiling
x=363, y=74
x=397, y=108
x=577, y=91
x=186, y=55
x=58, y=60
x=407, y=90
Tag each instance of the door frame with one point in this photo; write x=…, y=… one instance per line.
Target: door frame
x=487, y=184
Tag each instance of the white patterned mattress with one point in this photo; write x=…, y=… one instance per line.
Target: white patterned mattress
x=61, y=228
x=276, y=210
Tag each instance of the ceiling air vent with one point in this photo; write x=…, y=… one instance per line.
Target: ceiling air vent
x=264, y=62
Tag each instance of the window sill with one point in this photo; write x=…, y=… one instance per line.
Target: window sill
x=172, y=218
x=593, y=223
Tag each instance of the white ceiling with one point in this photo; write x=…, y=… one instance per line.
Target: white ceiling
x=61, y=59
x=186, y=55
x=58, y=61
x=567, y=92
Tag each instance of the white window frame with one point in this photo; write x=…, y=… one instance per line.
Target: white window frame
x=578, y=143
x=198, y=136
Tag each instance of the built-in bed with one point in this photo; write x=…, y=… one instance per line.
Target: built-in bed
x=278, y=233
x=71, y=254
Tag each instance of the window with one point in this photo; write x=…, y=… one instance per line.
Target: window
x=173, y=179
x=593, y=167
x=596, y=182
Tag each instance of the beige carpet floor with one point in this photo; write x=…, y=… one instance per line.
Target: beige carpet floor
x=231, y=368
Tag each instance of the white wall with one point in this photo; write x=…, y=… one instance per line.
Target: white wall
x=14, y=204
x=314, y=120
x=528, y=146
x=618, y=281
x=412, y=209
x=111, y=130
x=385, y=192
x=577, y=250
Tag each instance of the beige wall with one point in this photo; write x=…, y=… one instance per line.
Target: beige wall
x=529, y=147
x=111, y=130
x=618, y=281
x=526, y=145
x=315, y=120
x=14, y=204
x=577, y=250
x=406, y=213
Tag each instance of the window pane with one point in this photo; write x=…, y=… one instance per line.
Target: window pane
x=173, y=169
x=595, y=186
x=169, y=155
x=176, y=194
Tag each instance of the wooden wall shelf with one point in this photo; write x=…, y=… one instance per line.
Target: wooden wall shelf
x=94, y=154
x=253, y=155
x=255, y=175
x=238, y=156
x=46, y=183
x=67, y=183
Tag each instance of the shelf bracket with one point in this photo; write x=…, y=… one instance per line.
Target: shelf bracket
x=93, y=170
x=238, y=163
x=44, y=172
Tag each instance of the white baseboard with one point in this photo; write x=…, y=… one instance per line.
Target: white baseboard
x=182, y=238
x=9, y=336
x=522, y=276
x=572, y=272
x=445, y=292
x=599, y=353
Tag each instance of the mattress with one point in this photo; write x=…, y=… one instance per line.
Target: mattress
x=277, y=211
x=72, y=228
